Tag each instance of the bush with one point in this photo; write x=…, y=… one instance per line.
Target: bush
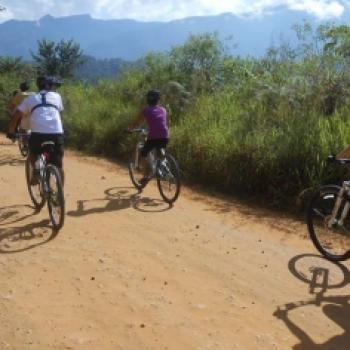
x=254, y=127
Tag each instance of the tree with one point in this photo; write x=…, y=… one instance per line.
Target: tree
x=336, y=60
x=59, y=59
x=199, y=59
x=10, y=64
x=69, y=56
x=46, y=58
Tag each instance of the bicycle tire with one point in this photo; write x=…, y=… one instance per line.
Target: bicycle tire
x=37, y=198
x=131, y=166
x=321, y=206
x=166, y=178
x=22, y=147
x=57, y=197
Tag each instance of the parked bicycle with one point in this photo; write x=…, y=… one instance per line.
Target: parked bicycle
x=45, y=185
x=328, y=218
x=163, y=167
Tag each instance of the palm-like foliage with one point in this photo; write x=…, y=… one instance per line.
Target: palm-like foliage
x=10, y=64
x=60, y=59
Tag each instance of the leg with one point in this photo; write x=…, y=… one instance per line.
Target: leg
x=57, y=157
x=34, y=151
x=145, y=166
x=147, y=148
x=160, y=147
x=62, y=174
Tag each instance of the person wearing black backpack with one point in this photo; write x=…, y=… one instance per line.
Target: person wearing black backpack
x=45, y=109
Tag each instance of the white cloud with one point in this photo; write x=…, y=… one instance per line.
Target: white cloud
x=163, y=10
x=321, y=9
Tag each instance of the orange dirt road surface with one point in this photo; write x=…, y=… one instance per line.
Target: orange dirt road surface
x=127, y=272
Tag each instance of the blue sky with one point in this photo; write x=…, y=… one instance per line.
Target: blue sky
x=163, y=10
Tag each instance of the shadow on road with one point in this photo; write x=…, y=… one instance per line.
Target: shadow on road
x=10, y=160
x=15, y=213
x=118, y=198
x=22, y=238
x=321, y=276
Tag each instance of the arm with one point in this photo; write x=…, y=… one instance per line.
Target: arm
x=303, y=337
x=10, y=106
x=21, y=111
x=17, y=116
x=60, y=107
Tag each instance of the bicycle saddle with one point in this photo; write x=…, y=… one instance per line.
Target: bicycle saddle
x=48, y=143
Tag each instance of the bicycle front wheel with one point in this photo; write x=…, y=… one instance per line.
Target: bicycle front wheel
x=168, y=179
x=34, y=186
x=55, y=200
x=331, y=239
x=23, y=143
x=136, y=173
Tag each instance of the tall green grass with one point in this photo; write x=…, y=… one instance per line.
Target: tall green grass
x=217, y=142
x=250, y=127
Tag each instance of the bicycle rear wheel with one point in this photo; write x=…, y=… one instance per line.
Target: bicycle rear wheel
x=136, y=173
x=332, y=241
x=55, y=200
x=168, y=179
x=34, y=186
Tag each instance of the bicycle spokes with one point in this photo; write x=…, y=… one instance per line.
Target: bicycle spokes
x=55, y=197
x=168, y=179
x=330, y=228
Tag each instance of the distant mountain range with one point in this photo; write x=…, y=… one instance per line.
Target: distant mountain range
x=129, y=39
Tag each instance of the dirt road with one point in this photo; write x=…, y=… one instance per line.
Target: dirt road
x=128, y=272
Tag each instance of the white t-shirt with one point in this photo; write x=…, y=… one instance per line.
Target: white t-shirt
x=44, y=120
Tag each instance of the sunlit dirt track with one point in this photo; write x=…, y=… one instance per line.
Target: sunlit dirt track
x=128, y=272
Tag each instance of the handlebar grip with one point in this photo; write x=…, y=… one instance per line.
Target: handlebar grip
x=334, y=159
x=131, y=131
x=331, y=158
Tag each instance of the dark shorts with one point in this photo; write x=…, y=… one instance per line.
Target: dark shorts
x=153, y=144
x=36, y=139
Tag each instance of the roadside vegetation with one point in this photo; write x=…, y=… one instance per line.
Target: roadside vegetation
x=246, y=126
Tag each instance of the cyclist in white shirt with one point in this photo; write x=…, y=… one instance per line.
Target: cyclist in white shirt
x=45, y=109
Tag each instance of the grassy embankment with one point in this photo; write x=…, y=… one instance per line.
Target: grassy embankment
x=253, y=127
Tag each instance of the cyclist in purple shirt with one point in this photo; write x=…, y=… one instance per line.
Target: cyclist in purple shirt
x=158, y=132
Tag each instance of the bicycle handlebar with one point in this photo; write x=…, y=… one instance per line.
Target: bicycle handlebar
x=137, y=130
x=342, y=161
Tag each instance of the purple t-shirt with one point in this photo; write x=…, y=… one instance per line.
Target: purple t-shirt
x=156, y=118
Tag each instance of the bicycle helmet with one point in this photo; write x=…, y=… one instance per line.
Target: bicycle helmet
x=153, y=97
x=53, y=81
x=44, y=81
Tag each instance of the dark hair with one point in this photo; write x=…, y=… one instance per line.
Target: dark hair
x=24, y=86
x=41, y=82
x=153, y=97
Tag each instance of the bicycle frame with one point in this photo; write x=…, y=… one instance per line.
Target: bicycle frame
x=44, y=158
x=153, y=158
x=42, y=174
x=341, y=195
